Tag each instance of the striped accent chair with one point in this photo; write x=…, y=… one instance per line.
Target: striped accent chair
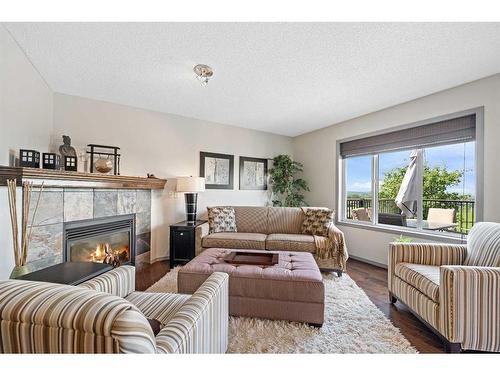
x=106, y=315
x=453, y=289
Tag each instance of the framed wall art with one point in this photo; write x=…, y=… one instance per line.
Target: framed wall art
x=218, y=170
x=253, y=173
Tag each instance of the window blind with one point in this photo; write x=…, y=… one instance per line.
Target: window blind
x=457, y=130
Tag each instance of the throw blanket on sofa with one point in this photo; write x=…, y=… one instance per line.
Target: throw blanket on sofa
x=331, y=251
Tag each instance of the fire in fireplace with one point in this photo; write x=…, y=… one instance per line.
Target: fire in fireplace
x=108, y=240
x=111, y=249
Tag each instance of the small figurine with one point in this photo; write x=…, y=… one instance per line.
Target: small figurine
x=66, y=149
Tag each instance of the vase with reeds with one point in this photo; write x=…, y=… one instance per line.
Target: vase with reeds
x=21, y=248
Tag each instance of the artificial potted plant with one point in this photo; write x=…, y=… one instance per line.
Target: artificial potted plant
x=287, y=188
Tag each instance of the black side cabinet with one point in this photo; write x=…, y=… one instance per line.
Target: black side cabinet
x=182, y=242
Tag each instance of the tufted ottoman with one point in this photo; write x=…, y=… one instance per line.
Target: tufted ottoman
x=290, y=290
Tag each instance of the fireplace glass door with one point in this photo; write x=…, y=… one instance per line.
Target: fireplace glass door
x=108, y=248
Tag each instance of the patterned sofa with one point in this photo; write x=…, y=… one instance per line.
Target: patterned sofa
x=454, y=289
x=106, y=315
x=275, y=228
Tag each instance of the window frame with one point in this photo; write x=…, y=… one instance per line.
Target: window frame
x=341, y=195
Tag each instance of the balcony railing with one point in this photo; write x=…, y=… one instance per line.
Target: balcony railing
x=464, y=209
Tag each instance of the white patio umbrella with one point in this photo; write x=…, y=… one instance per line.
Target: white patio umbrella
x=407, y=196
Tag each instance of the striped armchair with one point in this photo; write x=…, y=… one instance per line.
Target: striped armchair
x=453, y=289
x=106, y=315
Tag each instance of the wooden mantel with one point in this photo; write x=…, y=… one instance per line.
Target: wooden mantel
x=53, y=178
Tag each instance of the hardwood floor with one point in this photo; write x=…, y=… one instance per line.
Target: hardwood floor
x=372, y=279
x=147, y=274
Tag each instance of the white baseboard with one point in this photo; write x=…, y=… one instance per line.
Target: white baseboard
x=143, y=258
x=159, y=259
x=381, y=265
x=147, y=256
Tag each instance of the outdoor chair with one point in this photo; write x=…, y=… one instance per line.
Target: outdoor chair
x=362, y=214
x=441, y=215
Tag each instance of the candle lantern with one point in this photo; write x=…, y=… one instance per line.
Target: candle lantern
x=29, y=158
x=70, y=163
x=51, y=160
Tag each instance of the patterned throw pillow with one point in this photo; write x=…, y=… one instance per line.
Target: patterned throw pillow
x=221, y=219
x=317, y=221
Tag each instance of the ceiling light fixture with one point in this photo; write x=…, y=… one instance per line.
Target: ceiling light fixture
x=203, y=73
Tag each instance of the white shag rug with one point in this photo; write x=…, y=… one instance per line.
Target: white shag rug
x=353, y=324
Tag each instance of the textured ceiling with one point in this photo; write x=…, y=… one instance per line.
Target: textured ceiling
x=278, y=77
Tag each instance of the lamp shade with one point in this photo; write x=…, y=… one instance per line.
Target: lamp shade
x=190, y=184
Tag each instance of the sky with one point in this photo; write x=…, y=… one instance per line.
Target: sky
x=454, y=157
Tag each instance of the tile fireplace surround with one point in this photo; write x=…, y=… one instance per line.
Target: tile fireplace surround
x=61, y=205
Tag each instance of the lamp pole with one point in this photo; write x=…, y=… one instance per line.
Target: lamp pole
x=191, y=200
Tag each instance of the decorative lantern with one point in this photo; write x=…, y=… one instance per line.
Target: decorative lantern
x=29, y=158
x=50, y=160
x=70, y=163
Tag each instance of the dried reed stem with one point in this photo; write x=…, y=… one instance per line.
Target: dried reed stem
x=24, y=218
x=11, y=187
x=28, y=238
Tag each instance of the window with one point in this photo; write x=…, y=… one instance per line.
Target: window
x=391, y=171
x=420, y=178
x=449, y=188
x=359, y=188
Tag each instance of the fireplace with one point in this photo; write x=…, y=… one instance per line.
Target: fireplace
x=109, y=240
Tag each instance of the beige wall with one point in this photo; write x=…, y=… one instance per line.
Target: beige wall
x=166, y=145
x=25, y=121
x=317, y=151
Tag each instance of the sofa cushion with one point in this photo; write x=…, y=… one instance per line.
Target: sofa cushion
x=237, y=240
x=483, y=245
x=291, y=242
x=422, y=277
x=221, y=219
x=285, y=220
x=251, y=219
x=317, y=221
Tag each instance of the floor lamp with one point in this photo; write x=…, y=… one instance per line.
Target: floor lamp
x=190, y=186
